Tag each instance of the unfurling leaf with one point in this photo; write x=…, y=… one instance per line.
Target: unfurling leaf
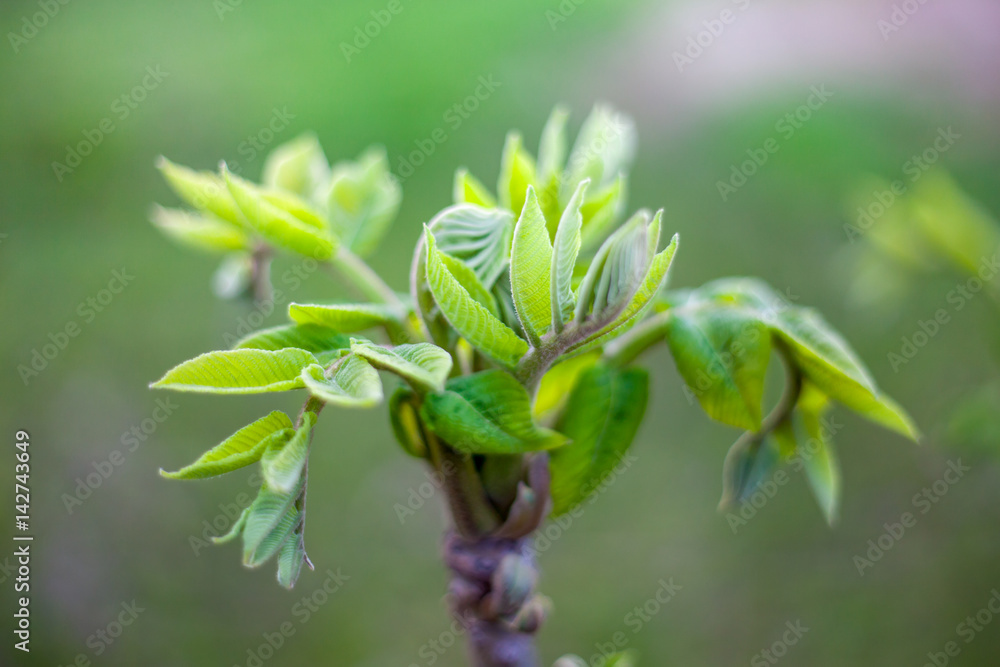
x=343, y=317
x=480, y=237
x=239, y=372
x=404, y=413
x=290, y=560
x=282, y=462
x=425, y=365
x=276, y=224
x=565, y=250
x=202, y=232
x=469, y=190
x=817, y=454
x=297, y=166
x=201, y=189
x=487, y=413
x=272, y=519
x=722, y=354
x=472, y=321
x=600, y=419
x=238, y=450
x=517, y=172
x=601, y=210
x=355, y=384
x=604, y=148
x=616, y=272
x=530, y=263
x=363, y=201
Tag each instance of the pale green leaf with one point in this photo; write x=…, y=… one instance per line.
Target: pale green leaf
x=817, y=454
x=604, y=148
x=404, y=415
x=290, y=560
x=722, y=354
x=363, y=200
x=297, y=166
x=480, y=237
x=601, y=418
x=601, y=210
x=469, y=190
x=343, y=317
x=425, y=365
x=517, y=172
x=277, y=225
x=202, y=189
x=282, y=461
x=313, y=338
x=616, y=272
x=238, y=450
x=565, y=250
x=295, y=205
x=355, y=383
x=468, y=279
x=202, y=232
x=273, y=518
x=487, y=413
x=466, y=315
x=236, y=530
x=530, y=264
x=552, y=146
x=239, y=372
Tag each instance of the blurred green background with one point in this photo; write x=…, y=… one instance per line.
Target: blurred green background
x=228, y=67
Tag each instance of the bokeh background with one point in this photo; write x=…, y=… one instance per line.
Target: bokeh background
x=231, y=66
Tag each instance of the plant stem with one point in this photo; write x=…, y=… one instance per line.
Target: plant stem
x=624, y=350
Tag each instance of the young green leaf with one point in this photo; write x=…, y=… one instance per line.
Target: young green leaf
x=239, y=372
x=276, y=224
x=424, y=365
x=297, y=166
x=817, y=455
x=480, y=237
x=201, y=232
x=722, y=354
x=363, y=200
x=604, y=148
x=565, y=251
x=601, y=418
x=344, y=317
x=299, y=208
x=616, y=272
x=530, y=265
x=201, y=189
x=466, y=315
x=468, y=279
x=238, y=450
x=236, y=530
x=273, y=518
x=750, y=462
x=517, y=172
x=487, y=413
x=282, y=462
x=552, y=146
x=290, y=560
x=313, y=338
x=355, y=384
x=404, y=415
x=602, y=208
x=469, y=190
